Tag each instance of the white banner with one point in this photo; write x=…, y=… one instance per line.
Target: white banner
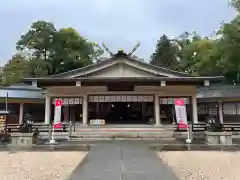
x=57, y=113
x=181, y=113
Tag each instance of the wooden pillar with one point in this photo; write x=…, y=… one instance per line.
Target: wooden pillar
x=194, y=109
x=97, y=108
x=85, y=110
x=21, y=110
x=220, y=112
x=48, y=104
x=157, y=110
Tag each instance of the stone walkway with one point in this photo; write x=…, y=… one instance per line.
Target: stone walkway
x=138, y=161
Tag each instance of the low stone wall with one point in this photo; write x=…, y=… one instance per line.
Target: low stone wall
x=214, y=138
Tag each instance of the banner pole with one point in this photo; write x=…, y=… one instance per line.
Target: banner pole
x=52, y=141
x=57, y=119
x=188, y=140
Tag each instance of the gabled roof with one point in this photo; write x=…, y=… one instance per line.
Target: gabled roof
x=122, y=68
x=155, y=70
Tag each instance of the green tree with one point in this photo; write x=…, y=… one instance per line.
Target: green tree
x=14, y=70
x=38, y=42
x=165, y=54
x=235, y=4
x=229, y=45
x=37, y=67
x=71, y=51
x=198, y=55
x=38, y=39
x=55, y=51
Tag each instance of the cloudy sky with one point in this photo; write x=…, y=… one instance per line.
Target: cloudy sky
x=117, y=23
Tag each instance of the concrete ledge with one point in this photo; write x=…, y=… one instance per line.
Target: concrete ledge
x=42, y=148
x=19, y=134
x=194, y=147
x=23, y=139
x=218, y=133
x=224, y=138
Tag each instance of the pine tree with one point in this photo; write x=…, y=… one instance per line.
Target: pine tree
x=165, y=54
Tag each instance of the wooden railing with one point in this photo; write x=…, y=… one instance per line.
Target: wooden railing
x=40, y=127
x=198, y=127
x=226, y=127
x=231, y=127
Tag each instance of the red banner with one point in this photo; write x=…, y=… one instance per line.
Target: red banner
x=179, y=102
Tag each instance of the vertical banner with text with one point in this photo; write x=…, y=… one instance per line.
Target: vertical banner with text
x=57, y=114
x=181, y=113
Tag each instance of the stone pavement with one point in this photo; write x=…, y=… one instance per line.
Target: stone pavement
x=107, y=160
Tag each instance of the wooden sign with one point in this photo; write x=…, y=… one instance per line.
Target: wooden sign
x=68, y=100
x=121, y=98
x=97, y=122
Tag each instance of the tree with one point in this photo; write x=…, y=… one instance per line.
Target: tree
x=55, y=51
x=165, y=54
x=38, y=39
x=197, y=55
x=38, y=42
x=229, y=45
x=235, y=4
x=14, y=70
x=37, y=67
x=71, y=51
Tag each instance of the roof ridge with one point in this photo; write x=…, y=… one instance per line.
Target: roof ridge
x=124, y=57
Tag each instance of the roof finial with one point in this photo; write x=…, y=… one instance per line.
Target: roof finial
x=106, y=48
x=134, y=49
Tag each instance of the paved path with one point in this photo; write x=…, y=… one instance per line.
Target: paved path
x=139, y=163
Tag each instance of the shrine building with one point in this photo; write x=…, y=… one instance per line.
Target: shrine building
x=119, y=90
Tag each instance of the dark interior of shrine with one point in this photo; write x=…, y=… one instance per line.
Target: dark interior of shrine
x=122, y=112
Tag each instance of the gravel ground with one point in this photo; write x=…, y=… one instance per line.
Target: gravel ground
x=38, y=165
x=197, y=165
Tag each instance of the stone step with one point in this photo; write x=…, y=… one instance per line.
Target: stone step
x=123, y=135
x=123, y=129
x=113, y=133
x=122, y=132
x=74, y=139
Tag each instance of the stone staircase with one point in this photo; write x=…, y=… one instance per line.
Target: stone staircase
x=123, y=133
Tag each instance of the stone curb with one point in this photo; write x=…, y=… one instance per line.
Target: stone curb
x=197, y=145
x=194, y=147
x=82, y=147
